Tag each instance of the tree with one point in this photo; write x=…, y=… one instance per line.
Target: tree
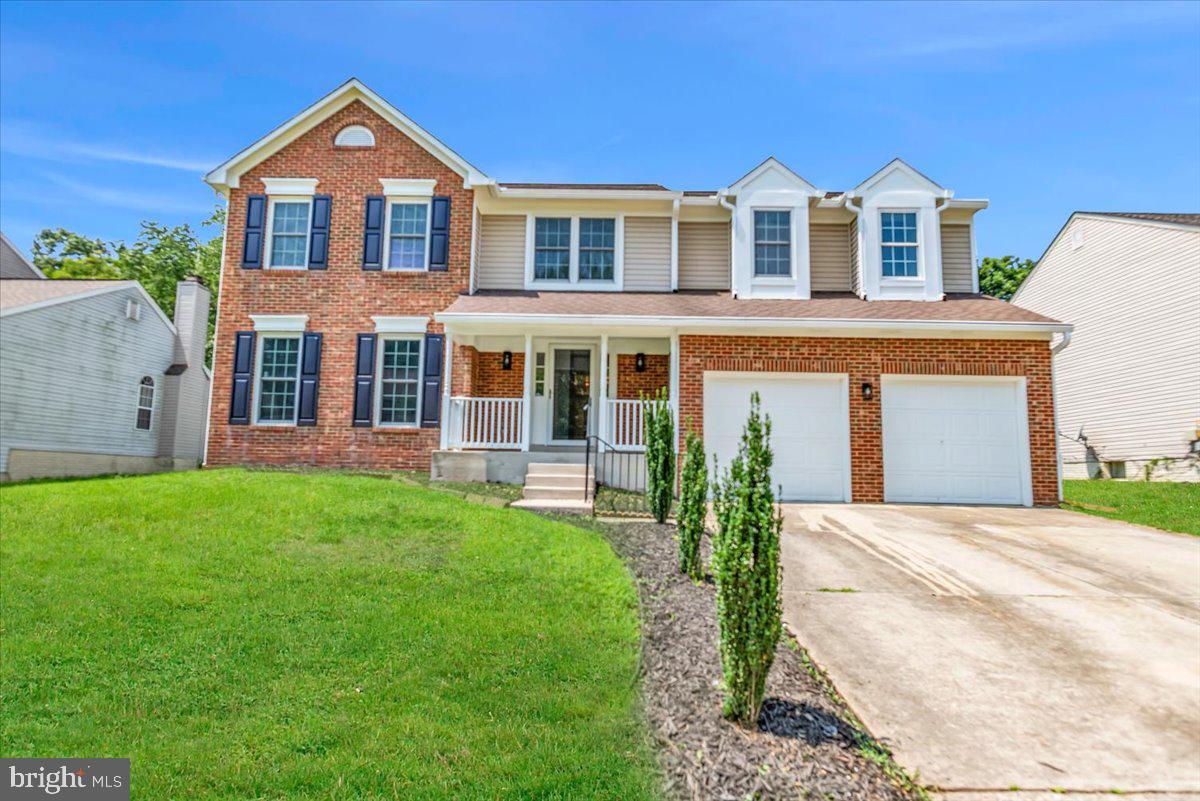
x=158, y=259
x=693, y=505
x=747, y=569
x=659, y=426
x=1001, y=277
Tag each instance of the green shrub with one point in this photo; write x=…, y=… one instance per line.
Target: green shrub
x=693, y=506
x=747, y=571
x=659, y=427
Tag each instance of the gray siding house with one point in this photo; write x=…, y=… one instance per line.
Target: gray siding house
x=1128, y=384
x=13, y=263
x=95, y=379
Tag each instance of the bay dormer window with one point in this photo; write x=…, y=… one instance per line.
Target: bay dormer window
x=899, y=244
x=772, y=244
x=576, y=252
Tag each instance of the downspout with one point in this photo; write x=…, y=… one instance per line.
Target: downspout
x=858, y=233
x=946, y=195
x=1056, y=349
x=722, y=194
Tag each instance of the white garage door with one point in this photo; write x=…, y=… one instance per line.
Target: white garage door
x=949, y=440
x=810, y=424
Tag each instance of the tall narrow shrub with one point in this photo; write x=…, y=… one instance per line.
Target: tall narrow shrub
x=747, y=571
x=659, y=431
x=693, y=505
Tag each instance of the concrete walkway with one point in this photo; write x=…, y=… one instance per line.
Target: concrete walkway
x=998, y=648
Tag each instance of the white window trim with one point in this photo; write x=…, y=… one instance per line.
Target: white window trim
x=573, y=283
x=297, y=187
x=408, y=187
x=404, y=200
x=137, y=406
x=280, y=323
x=378, y=389
x=901, y=280
x=788, y=279
x=271, y=201
x=258, y=354
x=400, y=325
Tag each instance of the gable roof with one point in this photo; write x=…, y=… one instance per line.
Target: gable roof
x=12, y=259
x=21, y=295
x=898, y=165
x=1177, y=219
x=771, y=163
x=227, y=174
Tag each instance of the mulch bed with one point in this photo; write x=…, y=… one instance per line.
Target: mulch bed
x=807, y=744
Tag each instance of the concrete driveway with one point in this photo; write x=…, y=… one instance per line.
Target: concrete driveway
x=998, y=648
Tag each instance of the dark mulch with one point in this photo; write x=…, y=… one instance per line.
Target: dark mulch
x=806, y=744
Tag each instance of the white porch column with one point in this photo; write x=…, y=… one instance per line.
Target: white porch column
x=447, y=378
x=674, y=375
x=602, y=412
x=527, y=394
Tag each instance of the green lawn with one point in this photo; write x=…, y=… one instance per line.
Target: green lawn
x=1170, y=506
x=245, y=634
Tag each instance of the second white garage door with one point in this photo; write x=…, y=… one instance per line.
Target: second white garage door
x=955, y=440
x=810, y=433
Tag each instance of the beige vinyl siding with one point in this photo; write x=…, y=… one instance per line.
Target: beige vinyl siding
x=1130, y=378
x=647, y=254
x=476, y=236
x=829, y=257
x=501, y=263
x=704, y=255
x=855, y=267
x=957, y=268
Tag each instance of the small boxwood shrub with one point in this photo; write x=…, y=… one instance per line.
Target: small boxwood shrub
x=693, y=506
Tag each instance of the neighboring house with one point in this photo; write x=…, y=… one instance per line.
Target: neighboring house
x=1129, y=385
x=385, y=304
x=95, y=379
x=13, y=263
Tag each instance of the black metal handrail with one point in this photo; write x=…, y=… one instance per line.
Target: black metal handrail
x=603, y=464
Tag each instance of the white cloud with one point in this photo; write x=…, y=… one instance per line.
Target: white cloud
x=123, y=198
x=24, y=139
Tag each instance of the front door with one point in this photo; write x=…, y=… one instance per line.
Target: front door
x=572, y=394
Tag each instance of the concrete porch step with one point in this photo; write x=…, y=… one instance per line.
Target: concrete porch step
x=555, y=480
x=557, y=485
x=536, y=493
x=557, y=469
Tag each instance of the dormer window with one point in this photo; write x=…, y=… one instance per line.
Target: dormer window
x=552, y=249
x=597, y=247
x=899, y=244
x=772, y=244
x=574, y=253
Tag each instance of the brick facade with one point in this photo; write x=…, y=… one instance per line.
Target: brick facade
x=339, y=300
x=865, y=360
x=493, y=381
x=632, y=385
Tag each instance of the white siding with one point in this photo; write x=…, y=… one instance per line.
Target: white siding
x=501, y=263
x=69, y=376
x=704, y=255
x=829, y=257
x=648, y=254
x=1131, y=376
x=957, y=267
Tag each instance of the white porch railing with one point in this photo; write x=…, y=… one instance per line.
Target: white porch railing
x=487, y=423
x=625, y=429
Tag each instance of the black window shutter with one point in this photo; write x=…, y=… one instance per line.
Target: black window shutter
x=373, y=233
x=252, y=241
x=431, y=395
x=243, y=374
x=364, y=379
x=318, y=237
x=310, y=374
x=439, y=234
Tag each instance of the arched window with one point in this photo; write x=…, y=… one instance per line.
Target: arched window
x=355, y=136
x=145, y=404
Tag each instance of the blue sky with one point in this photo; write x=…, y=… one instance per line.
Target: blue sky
x=110, y=113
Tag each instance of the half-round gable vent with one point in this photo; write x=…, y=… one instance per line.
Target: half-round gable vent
x=355, y=136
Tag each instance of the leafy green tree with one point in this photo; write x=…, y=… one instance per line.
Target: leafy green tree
x=693, y=506
x=659, y=427
x=60, y=253
x=1001, y=277
x=747, y=569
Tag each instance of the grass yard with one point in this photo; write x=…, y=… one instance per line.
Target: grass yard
x=259, y=634
x=1170, y=506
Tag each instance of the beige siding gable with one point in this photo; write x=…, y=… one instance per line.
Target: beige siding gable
x=501, y=261
x=829, y=257
x=957, y=267
x=855, y=265
x=647, y=254
x=704, y=255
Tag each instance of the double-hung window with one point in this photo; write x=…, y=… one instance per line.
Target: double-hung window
x=408, y=231
x=898, y=241
x=278, y=379
x=145, y=404
x=289, y=233
x=399, y=381
x=552, y=249
x=772, y=244
x=597, y=249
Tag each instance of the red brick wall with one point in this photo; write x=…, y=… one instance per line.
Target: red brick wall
x=493, y=381
x=632, y=385
x=864, y=360
x=339, y=301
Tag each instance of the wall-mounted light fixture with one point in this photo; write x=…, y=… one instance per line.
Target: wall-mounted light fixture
x=868, y=391
x=640, y=363
x=507, y=360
